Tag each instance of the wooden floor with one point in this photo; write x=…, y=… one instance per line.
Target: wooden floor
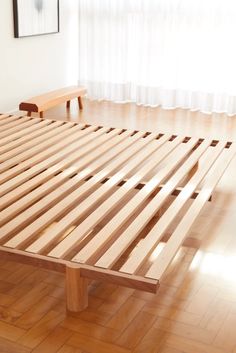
x=195, y=308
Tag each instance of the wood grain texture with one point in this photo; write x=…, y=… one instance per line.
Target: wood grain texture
x=83, y=206
x=76, y=290
x=197, y=294
x=51, y=99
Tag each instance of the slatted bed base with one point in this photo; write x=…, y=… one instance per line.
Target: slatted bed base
x=97, y=202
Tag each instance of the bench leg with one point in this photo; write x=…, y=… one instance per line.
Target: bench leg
x=29, y=114
x=76, y=290
x=41, y=115
x=80, y=103
x=68, y=104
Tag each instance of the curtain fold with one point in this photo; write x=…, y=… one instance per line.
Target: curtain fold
x=173, y=53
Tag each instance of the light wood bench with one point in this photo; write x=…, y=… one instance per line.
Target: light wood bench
x=77, y=199
x=49, y=100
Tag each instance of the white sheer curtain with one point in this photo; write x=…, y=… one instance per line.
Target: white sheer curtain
x=173, y=53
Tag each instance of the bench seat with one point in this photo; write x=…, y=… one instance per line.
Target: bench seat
x=41, y=103
x=97, y=202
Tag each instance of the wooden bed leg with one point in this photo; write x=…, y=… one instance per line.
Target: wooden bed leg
x=41, y=115
x=76, y=290
x=80, y=103
x=68, y=104
x=29, y=114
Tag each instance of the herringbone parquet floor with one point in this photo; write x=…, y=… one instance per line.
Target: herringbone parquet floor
x=195, y=308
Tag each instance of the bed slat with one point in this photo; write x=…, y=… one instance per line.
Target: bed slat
x=97, y=199
x=96, y=196
x=148, y=244
x=177, y=238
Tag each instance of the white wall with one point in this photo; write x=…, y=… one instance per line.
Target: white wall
x=34, y=65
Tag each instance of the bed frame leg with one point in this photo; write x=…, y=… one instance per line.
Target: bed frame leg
x=68, y=104
x=80, y=103
x=76, y=290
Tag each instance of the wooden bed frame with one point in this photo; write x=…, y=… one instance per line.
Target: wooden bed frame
x=95, y=202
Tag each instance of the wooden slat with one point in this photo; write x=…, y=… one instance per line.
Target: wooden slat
x=17, y=128
x=47, y=175
x=31, y=148
x=7, y=119
x=95, y=197
x=34, y=131
x=87, y=144
x=75, y=236
x=42, y=160
x=21, y=133
x=13, y=126
x=4, y=116
x=31, y=213
x=99, y=241
x=70, y=165
x=50, y=139
x=143, y=250
x=65, y=134
x=179, y=235
x=128, y=236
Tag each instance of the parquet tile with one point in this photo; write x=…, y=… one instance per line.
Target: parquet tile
x=10, y=332
x=19, y=291
x=174, y=314
x=24, y=303
x=91, y=345
x=215, y=314
x=151, y=342
x=168, y=349
x=4, y=274
x=36, y=312
x=54, y=341
x=116, y=299
x=126, y=314
x=4, y=286
x=186, y=345
x=226, y=338
x=20, y=274
x=194, y=310
x=201, y=300
x=94, y=315
x=136, y=330
x=69, y=349
x=8, y=315
x=104, y=291
x=6, y=299
x=91, y=329
x=184, y=330
x=12, y=347
x=38, y=332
